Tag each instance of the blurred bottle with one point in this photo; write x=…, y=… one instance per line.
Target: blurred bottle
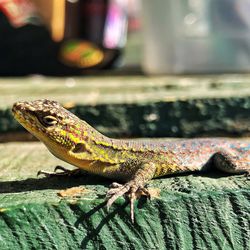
x=95, y=33
x=72, y=19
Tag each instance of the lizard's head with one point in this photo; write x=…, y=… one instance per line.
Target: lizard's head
x=48, y=121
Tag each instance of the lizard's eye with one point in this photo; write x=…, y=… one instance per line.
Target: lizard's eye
x=49, y=120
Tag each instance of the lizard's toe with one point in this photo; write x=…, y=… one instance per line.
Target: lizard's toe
x=62, y=172
x=115, y=193
x=45, y=173
x=60, y=168
x=115, y=185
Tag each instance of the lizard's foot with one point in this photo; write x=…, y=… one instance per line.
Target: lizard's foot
x=131, y=189
x=64, y=172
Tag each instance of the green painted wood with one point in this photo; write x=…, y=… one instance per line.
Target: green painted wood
x=140, y=106
x=193, y=211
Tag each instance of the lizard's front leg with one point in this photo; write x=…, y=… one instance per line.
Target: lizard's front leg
x=135, y=185
x=64, y=172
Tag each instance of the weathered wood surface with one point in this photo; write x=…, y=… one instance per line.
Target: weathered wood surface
x=163, y=106
x=193, y=211
x=122, y=89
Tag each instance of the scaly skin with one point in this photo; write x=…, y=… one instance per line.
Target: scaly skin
x=133, y=162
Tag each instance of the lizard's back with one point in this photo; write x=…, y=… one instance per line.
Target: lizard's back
x=182, y=155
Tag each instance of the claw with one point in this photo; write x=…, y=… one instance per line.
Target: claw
x=130, y=189
x=132, y=198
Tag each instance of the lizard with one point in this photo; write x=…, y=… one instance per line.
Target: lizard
x=132, y=162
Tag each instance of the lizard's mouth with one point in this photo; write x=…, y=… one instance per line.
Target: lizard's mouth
x=23, y=115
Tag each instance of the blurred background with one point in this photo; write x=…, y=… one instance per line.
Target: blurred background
x=130, y=67
x=61, y=37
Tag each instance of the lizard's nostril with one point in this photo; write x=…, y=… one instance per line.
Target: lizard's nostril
x=15, y=106
x=18, y=106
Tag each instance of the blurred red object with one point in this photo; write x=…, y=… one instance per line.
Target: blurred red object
x=18, y=12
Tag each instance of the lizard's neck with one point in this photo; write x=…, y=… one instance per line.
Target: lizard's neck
x=93, y=146
x=106, y=149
